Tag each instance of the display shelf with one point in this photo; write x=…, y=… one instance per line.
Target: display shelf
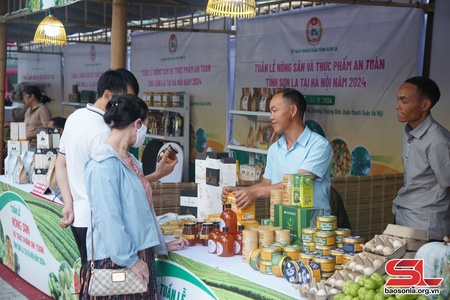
x=254, y=117
x=183, y=140
x=246, y=149
x=75, y=105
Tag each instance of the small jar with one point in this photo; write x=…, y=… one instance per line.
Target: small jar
x=325, y=238
x=198, y=227
x=338, y=253
x=340, y=233
x=308, y=234
x=189, y=232
x=206, y=229
x=353, y=243
x=326, y=223
x=172, y=154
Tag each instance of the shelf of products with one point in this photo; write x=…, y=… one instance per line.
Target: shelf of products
x=170, y=123
x=254, y=117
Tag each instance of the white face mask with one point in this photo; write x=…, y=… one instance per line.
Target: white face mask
x=140, y=136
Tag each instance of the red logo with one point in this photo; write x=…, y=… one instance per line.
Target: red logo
x=314, y=31
x=173, y=44
x=410, y=272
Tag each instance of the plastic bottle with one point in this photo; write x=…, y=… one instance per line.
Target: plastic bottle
x=225, y=243
x=212, y=238
x=238, y=241
x=228, y=218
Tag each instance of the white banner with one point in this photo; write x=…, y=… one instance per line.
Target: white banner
x=194, y=63
x=83, y=66
x=349, y=61
x=43, y=70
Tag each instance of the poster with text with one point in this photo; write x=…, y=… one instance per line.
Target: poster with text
x=44, y=71
x=35, y=247
x=193, y=63
x=349, y=62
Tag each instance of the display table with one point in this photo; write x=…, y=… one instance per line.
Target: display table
x=229, y=277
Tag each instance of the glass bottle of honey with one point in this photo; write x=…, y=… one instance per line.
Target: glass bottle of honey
x=225, y=243
x=238, y=241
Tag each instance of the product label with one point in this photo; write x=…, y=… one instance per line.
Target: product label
x=204, y=236
x=219, y=248
x=321, y=241
x=245, y=103
x=262, y=104
x=222, y=224
x=326, y=225
x=237, y=247
x=211, y=246
x=306, y=237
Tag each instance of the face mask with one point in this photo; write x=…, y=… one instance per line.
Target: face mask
x=140, y=136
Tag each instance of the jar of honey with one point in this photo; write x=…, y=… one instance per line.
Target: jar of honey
x=206, y=229
x=172, y=154
x=189, y=231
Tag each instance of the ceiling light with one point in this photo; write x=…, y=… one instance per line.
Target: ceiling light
x=50, y=31
x=232, y=8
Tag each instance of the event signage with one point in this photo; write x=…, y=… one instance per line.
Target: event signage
x=349, y=62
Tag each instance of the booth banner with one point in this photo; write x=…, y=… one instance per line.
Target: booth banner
x=35, y=247
x=83, y=66
x=195, y=63
x=44, y=71
x=349, y=62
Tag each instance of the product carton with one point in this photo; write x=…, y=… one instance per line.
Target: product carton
x=22, y=131
x=43, y=138
x=302, y=190
x=14, y=148
x=56, y=134
x=250, y=172
x=242, y=214
x=415, y=238
x=200, y=168
x=295, y=219
x=14, y=131
x=188, y=202
x=208, y=201
x=228, y=175
x=213, y=167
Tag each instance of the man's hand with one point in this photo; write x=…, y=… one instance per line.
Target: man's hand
x=244, y=197
x=140, y=268
x=177, y=244
x=67, y=216
x=225, y=191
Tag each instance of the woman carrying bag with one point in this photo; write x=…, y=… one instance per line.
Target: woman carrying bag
x=124, y=231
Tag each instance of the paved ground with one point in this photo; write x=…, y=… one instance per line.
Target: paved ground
x=7, y=292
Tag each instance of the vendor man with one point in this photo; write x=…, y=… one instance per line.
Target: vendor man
x=424, y=200
x=299, y=150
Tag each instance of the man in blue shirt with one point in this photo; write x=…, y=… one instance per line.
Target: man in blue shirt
x=299, y=150
x=424, y=200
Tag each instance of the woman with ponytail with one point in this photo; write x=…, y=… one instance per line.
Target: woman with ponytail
x=37, y=114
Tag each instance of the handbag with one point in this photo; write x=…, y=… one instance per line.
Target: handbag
x=109, y=282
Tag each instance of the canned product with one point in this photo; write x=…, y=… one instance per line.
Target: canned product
x=283, y=235
x=326, y=263
x=308, y=234
x=265, y=267
x=325, y=238
x=353, y=243
x=278, y=264
x=266, y=236
x=315, y=267
x=340, y=233
x=255, y=259
x=326, y=223
x=326, y=275
x=291, y=270
x=293, y=251
x=311, y=247
x=306, y=256
x=324, y=250
x=338, y=253
x=305, y=275
x=348, y=257
x=267, y=252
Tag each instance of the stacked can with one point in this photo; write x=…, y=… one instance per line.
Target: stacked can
x=268, y=255
x=249, y=243
x=340, y=234
x=352, y=243
x=308, y=236
x=275, y=198
x=325, y=240
x=338, y=254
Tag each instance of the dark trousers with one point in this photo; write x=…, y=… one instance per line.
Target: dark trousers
x=79, y=234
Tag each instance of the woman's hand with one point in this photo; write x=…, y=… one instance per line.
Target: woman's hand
x=177, y=244
x=140, y=268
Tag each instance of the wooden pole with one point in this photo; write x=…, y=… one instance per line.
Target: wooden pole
x=119, y=34
x=3, y=45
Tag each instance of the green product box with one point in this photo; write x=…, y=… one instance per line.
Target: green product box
x=295, y=219
x=302, y=190
x=266, y=222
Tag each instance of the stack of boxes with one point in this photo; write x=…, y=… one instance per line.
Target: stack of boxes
x=17, y=143
x=17, y=158
x=45, y=156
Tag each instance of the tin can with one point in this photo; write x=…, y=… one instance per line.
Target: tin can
x=326, y=263
x=283, y=235
x=308, y=234
x=326, y=275
x=324, y=250
x=291, y=270
x=293, y=251
x=249, y=243
x=305, y=275
x=315, y=267
x=267, y=252
x=265, y=267
x=325, y=238
x=306, y=256
x=338, y=253
x=326, y=223
x=278, y=264
x=266, y=236
x=340, y=233
x=309, y=246
x=348, y=257
x=353, y=243
x=255, y=259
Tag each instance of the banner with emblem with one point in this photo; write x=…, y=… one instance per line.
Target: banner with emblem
x=349, y=62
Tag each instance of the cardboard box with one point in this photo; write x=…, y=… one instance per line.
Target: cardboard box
x=43, y=158
x=248, y=213
x=14, y=147
x=200, y=168
x=40, y=176
x=302, y=190
x=56, y=136
x=14, y=131
x=295, y=219
x=22, y=131
x=213, y=168
x=43, y=138
x=250, y=172
x=208, y=201
x=415, y=238
x=188, y=202
x=228, y=176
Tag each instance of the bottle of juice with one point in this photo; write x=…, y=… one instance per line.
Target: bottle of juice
x=238, y=241
x=225, y=243
x=212, y=238
x=228, y=218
